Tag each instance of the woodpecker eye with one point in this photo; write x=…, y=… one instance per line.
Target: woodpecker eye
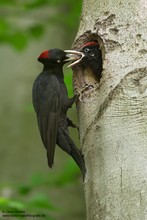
x=59, y=61
x=86, y=50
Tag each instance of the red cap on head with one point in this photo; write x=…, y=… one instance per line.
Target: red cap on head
x=44, y=55
x=93, y=43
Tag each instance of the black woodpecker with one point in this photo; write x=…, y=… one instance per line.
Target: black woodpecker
x=91, y=57
x=51, y=103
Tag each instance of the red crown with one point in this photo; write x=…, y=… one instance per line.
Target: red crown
x=44, y=55
x=94, y=43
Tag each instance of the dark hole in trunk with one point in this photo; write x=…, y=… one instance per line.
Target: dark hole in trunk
x=87, y=74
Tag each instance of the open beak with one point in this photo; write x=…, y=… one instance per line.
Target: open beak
x=74, y=56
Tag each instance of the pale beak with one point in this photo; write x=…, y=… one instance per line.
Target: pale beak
x=73, y=55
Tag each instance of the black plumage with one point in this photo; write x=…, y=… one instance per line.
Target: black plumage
x=51, y=103
x=92, y=58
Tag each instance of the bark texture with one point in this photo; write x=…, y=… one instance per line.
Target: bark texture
x=113, y=118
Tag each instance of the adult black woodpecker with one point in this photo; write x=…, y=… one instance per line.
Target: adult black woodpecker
x=51, y=103
x=91, y=58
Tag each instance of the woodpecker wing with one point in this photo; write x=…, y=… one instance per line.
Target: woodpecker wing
x=47, y=104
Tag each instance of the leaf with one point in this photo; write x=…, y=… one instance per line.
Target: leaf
x=16, y=205
x=7, y=2
x=3, y=201
x=18, y=40
x=41, y=201
x=13, y=204
x=37, y=179
x=36, y=31
x=4, y=26
x=35, y=4
x=24, y=189
x=68, y=175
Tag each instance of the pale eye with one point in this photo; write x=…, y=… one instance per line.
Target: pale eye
x=59, y=61
x=86, y=50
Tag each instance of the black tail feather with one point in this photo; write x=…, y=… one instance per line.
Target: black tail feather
x=66, y=143
x=79, y=159
x=77, y=156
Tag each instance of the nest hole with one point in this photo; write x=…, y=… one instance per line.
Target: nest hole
x=89, y=71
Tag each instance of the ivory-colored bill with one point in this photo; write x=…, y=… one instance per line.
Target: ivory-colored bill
x=74, y=55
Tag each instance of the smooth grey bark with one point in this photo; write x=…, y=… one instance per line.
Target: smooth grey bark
x=113, y=118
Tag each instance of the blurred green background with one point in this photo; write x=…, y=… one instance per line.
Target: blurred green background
x=28, y=27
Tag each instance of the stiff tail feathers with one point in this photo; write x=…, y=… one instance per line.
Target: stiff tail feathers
x=77, y=156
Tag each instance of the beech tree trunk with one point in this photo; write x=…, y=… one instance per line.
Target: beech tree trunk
x=113, y=116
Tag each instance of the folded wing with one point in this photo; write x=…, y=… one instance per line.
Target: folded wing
x=47, y=104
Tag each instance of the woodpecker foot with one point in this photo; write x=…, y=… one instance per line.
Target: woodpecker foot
x=71, y=124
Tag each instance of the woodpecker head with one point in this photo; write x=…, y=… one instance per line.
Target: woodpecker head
x=92, y=52
x=91, y=58
x=54, y=57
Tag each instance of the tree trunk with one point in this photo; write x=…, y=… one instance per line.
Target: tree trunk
x=113, y=116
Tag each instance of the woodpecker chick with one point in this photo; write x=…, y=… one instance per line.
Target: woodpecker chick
x=91, y=58
x=51, y=103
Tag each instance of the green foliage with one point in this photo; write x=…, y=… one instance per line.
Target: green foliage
x=41, y=201
x=16, y=32
x=36, y=31
x=27, y=198
x=7, y=2
x=37, y=205
x=68, y=175
x=21, y=21
x=68, y=81
x=35, y=4
x=18, y=40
